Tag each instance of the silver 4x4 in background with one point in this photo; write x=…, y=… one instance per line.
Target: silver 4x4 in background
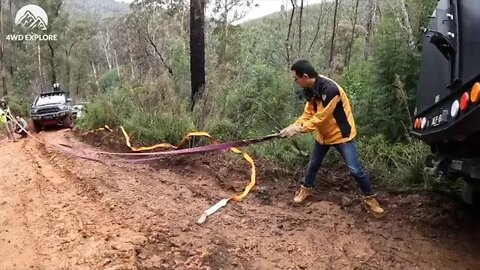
x=51, y=109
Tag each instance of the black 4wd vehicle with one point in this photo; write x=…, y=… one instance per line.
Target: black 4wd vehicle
x=447, y=113
x=51, y=108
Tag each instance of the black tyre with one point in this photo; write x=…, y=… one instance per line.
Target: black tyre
x=471, y=195
x=35, y=126
x=68, y=121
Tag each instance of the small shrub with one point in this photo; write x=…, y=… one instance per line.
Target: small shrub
x=394, y=164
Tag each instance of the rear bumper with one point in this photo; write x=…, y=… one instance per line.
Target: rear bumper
x=461, y=128
x=453, y=167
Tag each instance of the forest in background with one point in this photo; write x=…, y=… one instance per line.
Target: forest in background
x=132, y=64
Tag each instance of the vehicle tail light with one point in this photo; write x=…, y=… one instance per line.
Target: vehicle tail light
x=417, y=121
x=464, y=101
x=423, y=123
x=475, y=93
x=455, y=108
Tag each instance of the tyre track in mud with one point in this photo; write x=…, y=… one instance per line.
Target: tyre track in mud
x=69, y=218
x=65, y=213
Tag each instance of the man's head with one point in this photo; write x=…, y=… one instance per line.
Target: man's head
x=303, y=73
x=3, y=103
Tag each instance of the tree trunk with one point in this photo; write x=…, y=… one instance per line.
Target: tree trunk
x=40, y=74
x=13, y=48
x=94, y=73
x=105, y=42
x=197, y=49
x=334, y=29
x=52, y=63
x=131, y=57
x=223, y=37
x=287, y=43
x=116, y=63
x=182, y=19
x=320, y=17
x=2, y=53
x=300, y=29
x=67, y=71
x=77, y=90
x=407, y=25
x=350, y=45
x=371, y=17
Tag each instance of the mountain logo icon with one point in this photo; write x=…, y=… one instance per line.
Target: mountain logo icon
x=32, y=17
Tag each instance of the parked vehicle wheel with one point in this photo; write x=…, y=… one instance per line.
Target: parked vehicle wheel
x=35, y=126
x=68, y=121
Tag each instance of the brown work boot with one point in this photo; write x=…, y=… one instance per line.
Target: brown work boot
x=373, y=205
x=302, y=194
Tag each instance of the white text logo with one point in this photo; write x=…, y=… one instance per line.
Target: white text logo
x=32, y=17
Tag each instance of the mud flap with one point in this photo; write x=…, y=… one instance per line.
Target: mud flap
x=471, y=195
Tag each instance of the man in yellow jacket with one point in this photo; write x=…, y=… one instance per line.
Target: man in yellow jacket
x=328, y=113
x=5, y=119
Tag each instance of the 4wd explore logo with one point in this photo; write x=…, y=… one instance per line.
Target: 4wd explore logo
x=34, y=18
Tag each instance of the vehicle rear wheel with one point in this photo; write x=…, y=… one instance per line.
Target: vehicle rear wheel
x=68, y=121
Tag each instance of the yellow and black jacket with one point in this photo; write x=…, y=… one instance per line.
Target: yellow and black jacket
x=327, y=112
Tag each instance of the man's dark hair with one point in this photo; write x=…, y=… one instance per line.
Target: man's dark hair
x=304, y=67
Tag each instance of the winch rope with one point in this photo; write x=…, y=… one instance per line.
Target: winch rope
x=152, y=156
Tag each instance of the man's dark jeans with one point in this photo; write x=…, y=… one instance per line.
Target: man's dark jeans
x=349, y=153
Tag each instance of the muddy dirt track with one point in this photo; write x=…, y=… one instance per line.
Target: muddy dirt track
x=59, y=212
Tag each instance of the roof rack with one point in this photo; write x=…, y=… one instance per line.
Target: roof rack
x=53, y=93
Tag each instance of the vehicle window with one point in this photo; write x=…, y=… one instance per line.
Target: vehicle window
x=50, y=100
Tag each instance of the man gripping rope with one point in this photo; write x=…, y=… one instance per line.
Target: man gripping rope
x=328, y=114
x=6, y=119
x=21, y=126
